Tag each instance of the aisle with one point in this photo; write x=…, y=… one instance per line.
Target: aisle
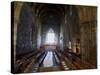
x=48, y=61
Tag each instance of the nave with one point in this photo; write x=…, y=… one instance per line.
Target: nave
x=53, y=37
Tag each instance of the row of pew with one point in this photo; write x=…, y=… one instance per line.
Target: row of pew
x=29, y=62
x=73, y=60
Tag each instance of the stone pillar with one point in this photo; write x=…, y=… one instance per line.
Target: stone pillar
x=39, y=33
x=17, y=10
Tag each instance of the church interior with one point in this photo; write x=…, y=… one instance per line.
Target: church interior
x=50, y=37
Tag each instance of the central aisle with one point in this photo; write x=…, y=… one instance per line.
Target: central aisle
x=48, y=61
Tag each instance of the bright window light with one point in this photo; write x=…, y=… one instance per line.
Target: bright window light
x=50, y=37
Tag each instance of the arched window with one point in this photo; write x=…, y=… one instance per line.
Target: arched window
x=50, y=37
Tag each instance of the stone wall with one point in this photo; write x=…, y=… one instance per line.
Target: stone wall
x=26, y=31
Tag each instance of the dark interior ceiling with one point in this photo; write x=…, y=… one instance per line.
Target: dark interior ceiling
x=50, y=13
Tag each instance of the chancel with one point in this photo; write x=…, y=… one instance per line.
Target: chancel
x=53, y=37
